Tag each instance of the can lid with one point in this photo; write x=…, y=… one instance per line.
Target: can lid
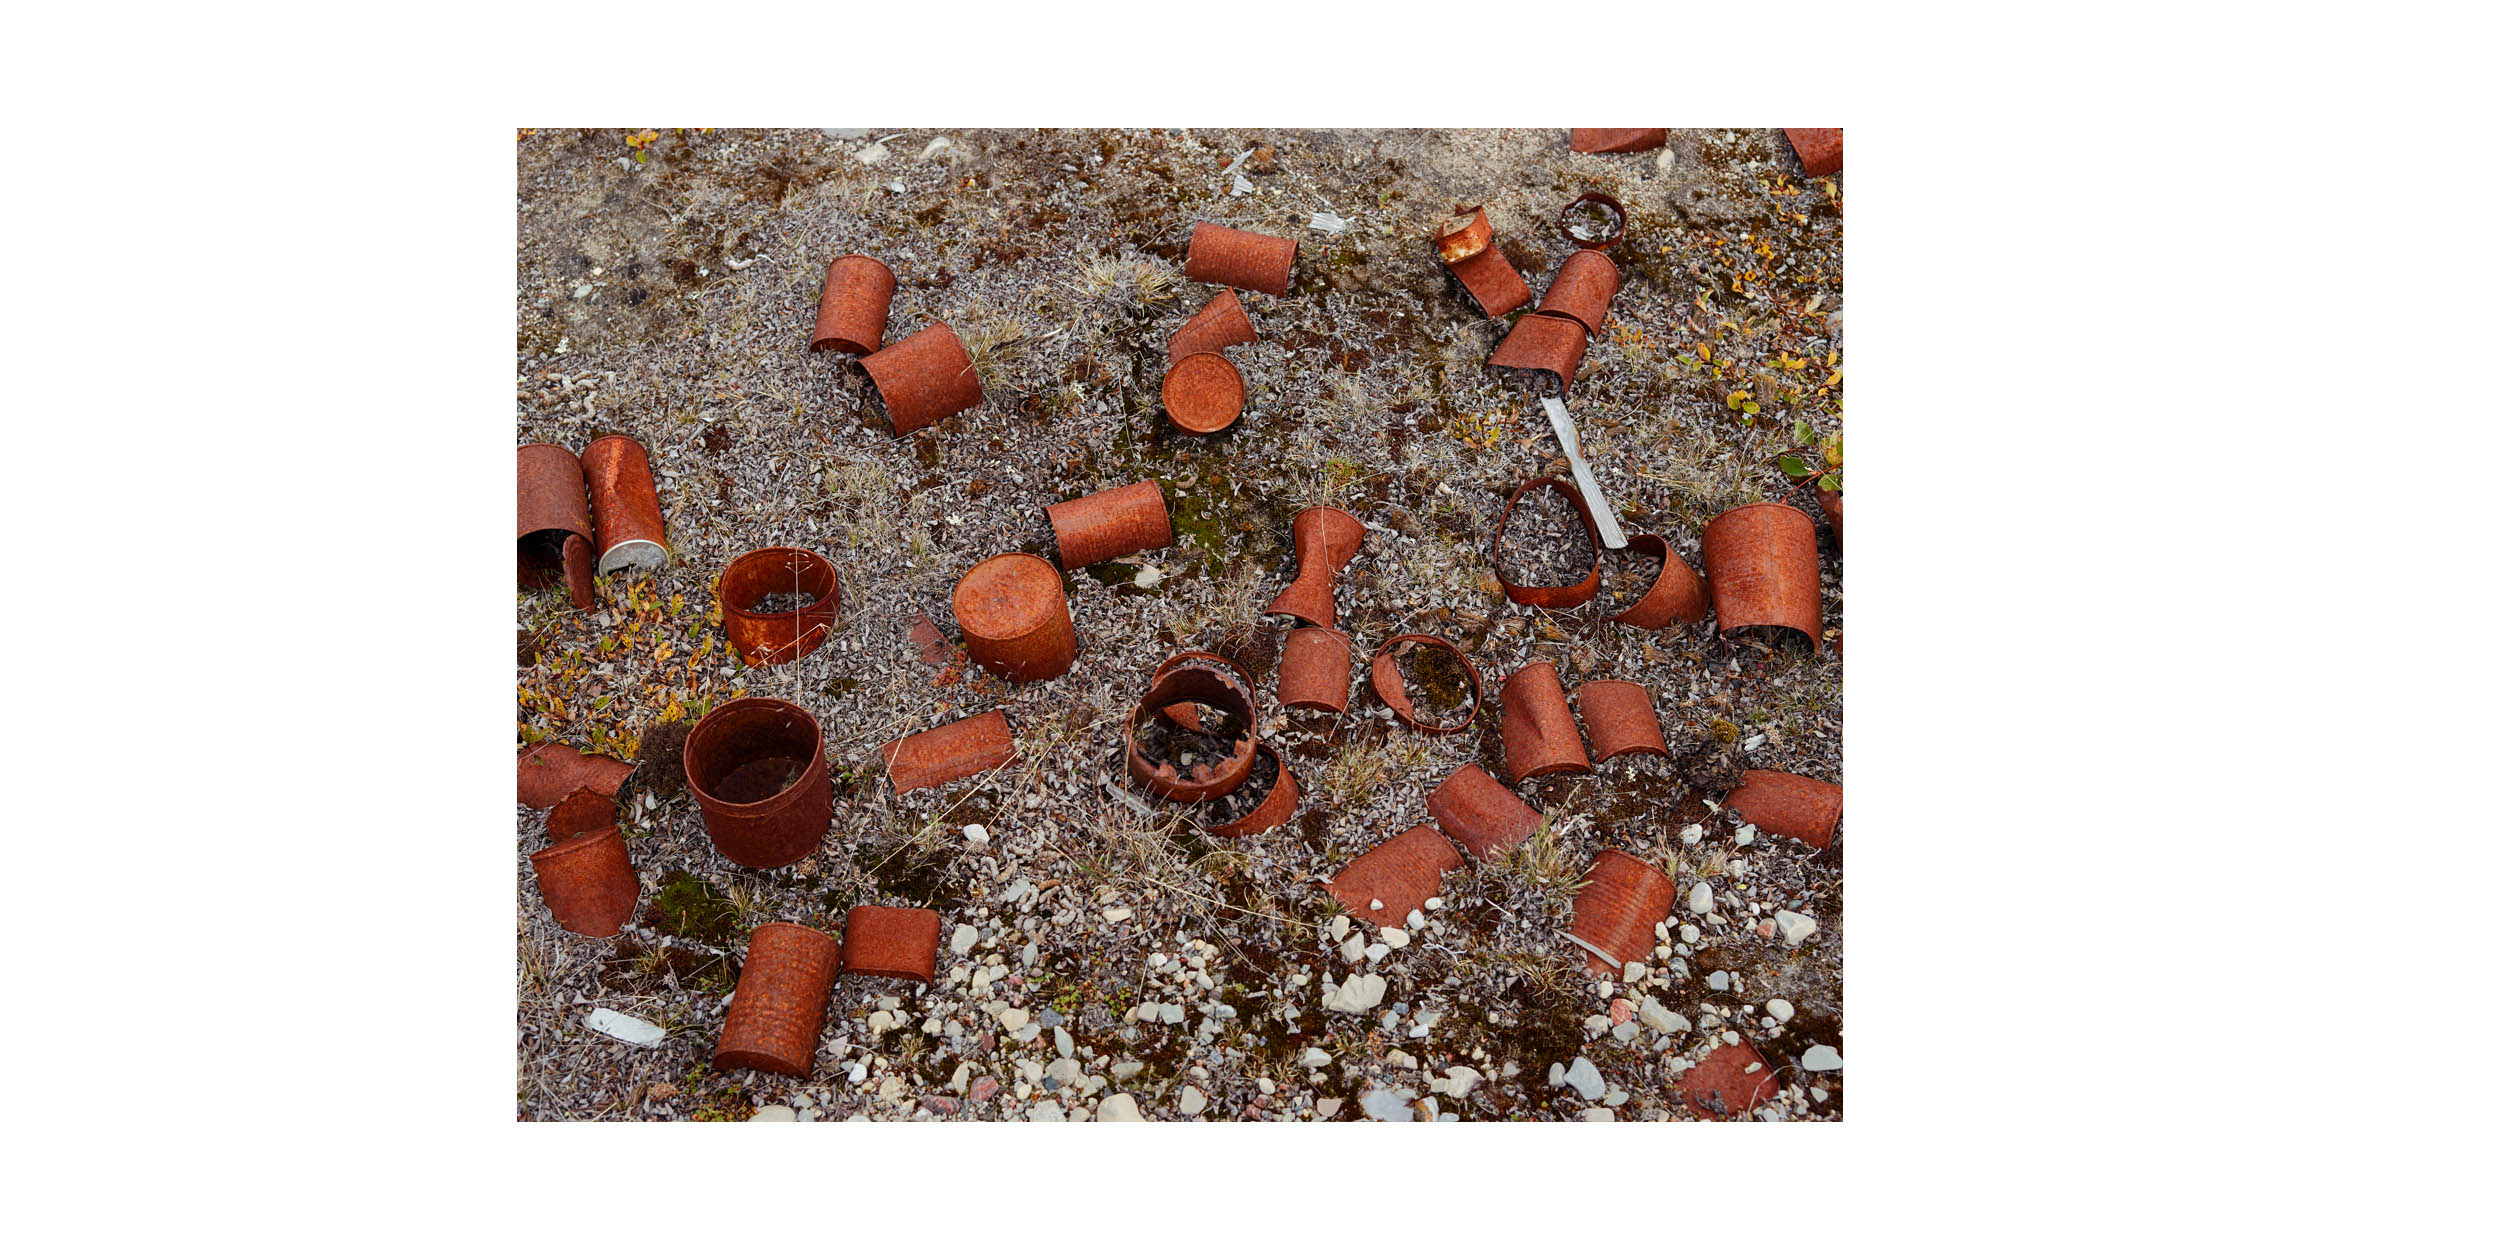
x=1203, y=392
x=1008, y=596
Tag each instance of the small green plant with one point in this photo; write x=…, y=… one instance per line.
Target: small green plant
x=1810, y=459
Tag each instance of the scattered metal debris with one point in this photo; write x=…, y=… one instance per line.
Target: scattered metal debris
x=551, y=771
x=1390, y=684
x=1398, y=875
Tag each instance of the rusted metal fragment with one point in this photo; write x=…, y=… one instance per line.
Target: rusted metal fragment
x=1317, y=669
x=768, y=638
x=1538, y=735
x=1185, y=715
x=947, y=753
x=1390, y=684
x=587, y=878
x=757, y=769
x=1621, y=719
x=778, y=1010
x=1788, y=805
x=1830, y=499
x=1492, y=283
x=1220, y=686
x=580, y=566
x=1221, y=324
x=899, y=942
x=1817, y=150
x=1677, y=596
x=625, y=505
x=1278, y=807
x=1583, y=289
x=1203, y=393
x=924, y=378
x=1625, y=139
x=1223, y=256
x=1108, y=524
x=1399, y=874
x=1619, y=909
x=1325, y=540
x=1013, y=611
x=583, y=811
x=552, y=770
x=553, y=528
x=1480, y=813
x=1546, y=346
x=851, y=317
x=1570, y=596
x=1609, y=234
x=1464, y=234
x=1764, y=570
x=929, y=643
x=1729, y=1081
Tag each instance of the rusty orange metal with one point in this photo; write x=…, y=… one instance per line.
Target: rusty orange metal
x=777, y=1012
x=924, y=378
x=1764, y=570
x=551, y=771
x=1677, y=596
x=553, y=526
x=1830, y=500
x=1390, y=684
x=950, y=752
x=859, y=290
x=1221, y=324
x=1480, y=813
x=1013, y=611
x=1607, y=205
x=1620, y=908
x=1109, y=524
x=1223, y=256
x=1464, y=234
x=1185, y=715
x=1729, y=1081
x=1276, y=808
x=1203, y=393
x=1788, y=805
x=898, y=942
x=1399, y=874
x=762, y=638
x=1583, y=289
x=1539, y=736
x=1621, y=719
x=1570, y=596
x=1325, y=540
x=1545, y=346
x=1626, y=139
x=625, y=505
x=1218, y=685
x=1817, y=150
x=1491, y=281
x=1317, y=669
x=757, y=769
x=585, y=874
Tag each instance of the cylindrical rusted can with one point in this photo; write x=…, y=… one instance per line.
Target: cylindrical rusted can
x=1622, y=139
x=757, y=768
x=1014, y=615
x=589, y=883
x=1203, y=393
x=1390, y=684
x=1325, y=540
x=553, y=527
x=1221, y=324
x=924, y=378
x=1538, y=734
x=1817, y=150
x=1621, y=719
x=768, y=638
x=778, y=1011
x=1830, y=499
x=950, y=752
x=1546, y=345
x=1788, y=805
x=1317, y=669
x=1609, y=234
x=1620, y=909
x=625, y=505
x=1570, y=596
x=1216, y=686
x=851, y=316
x=899, y=942
x=1282, y=798
x=1185, y=715
x=1223, y=256
x=1480, y=813
x=1399, y=874
x=1763, y=570
x=1676, y=596
x=1108, y=524
x=1583, y=289
x=1492, y=283
x=1464, y=234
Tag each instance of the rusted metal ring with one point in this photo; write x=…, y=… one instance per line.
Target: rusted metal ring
x=1216, y=687
x=924, y=378
x=1317, y=669
x=1221, y=324
x=778, y=1009
x=1203, y=393
x=1607, y=202
x=1014, y=614
x=742, y=748
x=1546, y=346
x=1325, y=540
x=1223, y=256
x=1539, y=737
x=625, y=505
x=1788, y=806
x=764, y=639
x=1185, y=715
x=1109, y=524
x=934, y=757
x=1620, y=908
x=1570, y=596
x=1675, y=596
x=1621, y=719
x=1480, y=813
x=1764, y=570
x=898, y=942
x=1390, y=684
x=1400, y=874
x=859, y=290
x=1283, y=796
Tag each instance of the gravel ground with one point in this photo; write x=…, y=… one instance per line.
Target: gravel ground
x=1114, y=960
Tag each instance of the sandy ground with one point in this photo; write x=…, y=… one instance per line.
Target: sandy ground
x=1118, y=951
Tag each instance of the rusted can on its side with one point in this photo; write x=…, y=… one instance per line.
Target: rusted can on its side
x=950, y=752
x=1538, y=735
x=768, y=638
x=625, y=505
x=1764, y=570
x=1325, y=540
x=778, y=1010
x=1109, y=524
x=1399, y=874
x=1817, y=150
x=1480, y=813
x=1621, y=719
x=1788, y=805
x=1547, y=346
x=898, y=942
x=757, y=769
x=1570, y=596
x=1317, y=669
x=1620, y=908
x=585, y=874
x=1623, y=139
x=553, y=526
x=859, y=290
x=1583, y=289
x=924, y=379
x=1223, y=256
x=1014, y=615
x=1221, y=324
x=1676, y=597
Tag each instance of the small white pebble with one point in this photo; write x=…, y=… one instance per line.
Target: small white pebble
x=976, y=835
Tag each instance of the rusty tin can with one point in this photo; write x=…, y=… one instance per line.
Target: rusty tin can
x=1538, y=735
x=1223, y=256
x=924, y=378
x=625, y=505
x=1817, y=150
x=1283, y=796
x=553, y=526
x=1480, y=813
x=851, y=317
x=1202, y=393
x=1763, y=568
x=1608, y=206
x=899, y=942
x=1463, y=235
x=1570, y=596
x=778, y=1010
x=768, y=638
x=1729, y=1081
x=1390, y=684
x=1621, y=719
x=1788, y=805
x=757, y=769
x=1675, y=597
x=1546, y=345
x=1620, y=908
x=1317, y=669
x=552, y=770
x=1623, y=139
x=1220, y=686
x=950, y=752
x=1109, y=524
x=585, y=874
x=1013, y=611
x=1399, y=874
x=1185, y=715
x=1221, y=324
x=1583, y=289
x=1489, y=280
x=1325, y=540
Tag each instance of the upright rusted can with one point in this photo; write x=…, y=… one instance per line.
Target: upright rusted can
x=1764, y=570
x=778, y=1011
x=757, y=769
x=768, y=638
x=625, y=505
x=924, y=379
x=1014, y=615
x=1317, y=669
x=1538, y=734
x=586, y=875
x=1621, y=719
x=851, y=317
